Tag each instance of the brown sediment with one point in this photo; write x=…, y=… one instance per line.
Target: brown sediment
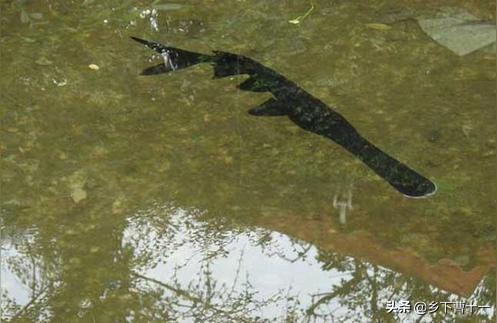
x=445, y=274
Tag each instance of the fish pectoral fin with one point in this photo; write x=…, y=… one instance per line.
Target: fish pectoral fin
x=157, y=69
x=254, y=84
x=271, y=107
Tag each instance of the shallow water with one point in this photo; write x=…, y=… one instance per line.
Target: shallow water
x=136, y=198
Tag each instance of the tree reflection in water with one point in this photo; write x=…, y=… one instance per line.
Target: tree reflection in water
x=170, y=264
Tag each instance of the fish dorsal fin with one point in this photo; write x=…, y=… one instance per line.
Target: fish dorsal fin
x=271, y=107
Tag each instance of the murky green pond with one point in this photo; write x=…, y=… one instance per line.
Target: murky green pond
x=128, y=198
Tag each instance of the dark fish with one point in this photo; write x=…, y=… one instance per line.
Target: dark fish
x=306, y=111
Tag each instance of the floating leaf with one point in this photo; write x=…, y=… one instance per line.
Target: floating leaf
x=300, y=18
x=78, y=194
x=28, y=40
x=43, y=61
x=167, y=6
x=36, y=15
x=77, y=182
x=376, y=26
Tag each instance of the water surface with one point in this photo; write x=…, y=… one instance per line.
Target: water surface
x=137, y=198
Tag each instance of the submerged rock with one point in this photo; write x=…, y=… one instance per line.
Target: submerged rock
x=459, y=31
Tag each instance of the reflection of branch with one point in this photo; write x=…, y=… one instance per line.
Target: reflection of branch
x=344, y=288
x=194, y=299
x=421, y=317
x=237, y=274
x=356, y=278
x=32, y=301
x=300, y=254
x=374, y=291
x=33, y=264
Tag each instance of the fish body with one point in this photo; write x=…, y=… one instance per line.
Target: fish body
x=306, y=111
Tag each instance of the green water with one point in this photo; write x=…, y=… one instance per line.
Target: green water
x=111, y=180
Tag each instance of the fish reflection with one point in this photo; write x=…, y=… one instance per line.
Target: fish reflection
x=306, y=111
